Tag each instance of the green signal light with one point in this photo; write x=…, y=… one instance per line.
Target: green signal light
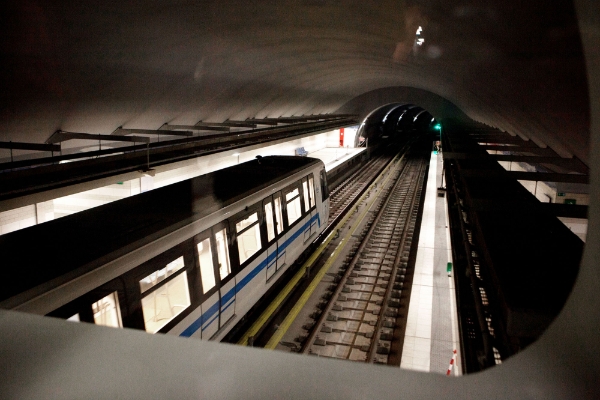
x=437, y=127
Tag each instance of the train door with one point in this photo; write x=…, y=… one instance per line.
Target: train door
x=308, y=189
x=324, y=197
x=315, y=222
x=211, y=304
x=279, y=228
x=226, y=279
x=295, y=219
x=270, y=228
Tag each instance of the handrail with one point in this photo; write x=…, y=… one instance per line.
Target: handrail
x=208, y=139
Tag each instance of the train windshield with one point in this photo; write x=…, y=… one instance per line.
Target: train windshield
x=324, y=189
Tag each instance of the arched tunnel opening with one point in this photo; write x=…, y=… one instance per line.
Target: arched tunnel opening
x=392, y=121
x=510, y=281
x=526, y=72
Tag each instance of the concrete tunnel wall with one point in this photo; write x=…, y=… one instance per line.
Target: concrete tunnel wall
x=85, y=68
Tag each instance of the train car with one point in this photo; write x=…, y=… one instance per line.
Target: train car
x=189, y=259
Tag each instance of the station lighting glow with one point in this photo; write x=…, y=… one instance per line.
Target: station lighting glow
x=419, y=40
x=388, y=113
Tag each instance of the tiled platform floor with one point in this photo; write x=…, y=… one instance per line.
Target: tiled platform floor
x=432, y=331
x=334, y=156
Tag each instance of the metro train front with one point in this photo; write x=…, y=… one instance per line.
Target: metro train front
x=189, y=259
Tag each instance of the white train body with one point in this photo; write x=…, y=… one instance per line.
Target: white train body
x=194, y=275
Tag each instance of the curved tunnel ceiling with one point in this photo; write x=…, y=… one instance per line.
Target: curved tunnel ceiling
x=391, y=120
x=94, y=66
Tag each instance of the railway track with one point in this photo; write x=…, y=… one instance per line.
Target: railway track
x=346, y=192
x=358, y=315
x=274, y=320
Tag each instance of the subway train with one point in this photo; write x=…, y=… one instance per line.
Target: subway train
x=189, y=259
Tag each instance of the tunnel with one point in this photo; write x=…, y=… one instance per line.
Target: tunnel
x=78, y=73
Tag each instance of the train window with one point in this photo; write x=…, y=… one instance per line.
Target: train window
x=166, y=301
x=106, y=311
x=206, y=265
x=306, y=196
x=324, y=189
x=158, y=276
x=269, y=221
x=248, y=237
x=311, y=190
x=278, y=214
x=294, y=210
x=100, y=306
x=223, y=253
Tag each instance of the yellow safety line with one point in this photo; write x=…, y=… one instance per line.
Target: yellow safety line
x=289, y=319
x=270, y=310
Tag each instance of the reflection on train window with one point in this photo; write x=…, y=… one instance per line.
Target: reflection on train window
x=294, y=210
x=240, y=226
x=311, y=190
x=223, y=253
x=165, y=303
x=74, y=318
x=106, y=311
x=248, y=238
x=278, y=215
x=206, y=265
x=158, y=276
x=269, y=221
x=305, y=192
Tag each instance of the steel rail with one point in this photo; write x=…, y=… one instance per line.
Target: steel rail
x=408, y=224
x=320, y=243
x=381, y=312
x=385, y=176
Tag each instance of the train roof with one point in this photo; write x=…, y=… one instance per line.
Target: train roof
x=83, y=241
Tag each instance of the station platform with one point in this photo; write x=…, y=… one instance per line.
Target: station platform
x=432, y=329
x=340, y=162
x=69, y=200
x=333, y=157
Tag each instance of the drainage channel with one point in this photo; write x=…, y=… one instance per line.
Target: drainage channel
x=357, y=315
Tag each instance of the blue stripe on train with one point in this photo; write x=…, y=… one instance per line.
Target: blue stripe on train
x=227, y=306
x=199, y=323
x=227, y=296
x=211, y=321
